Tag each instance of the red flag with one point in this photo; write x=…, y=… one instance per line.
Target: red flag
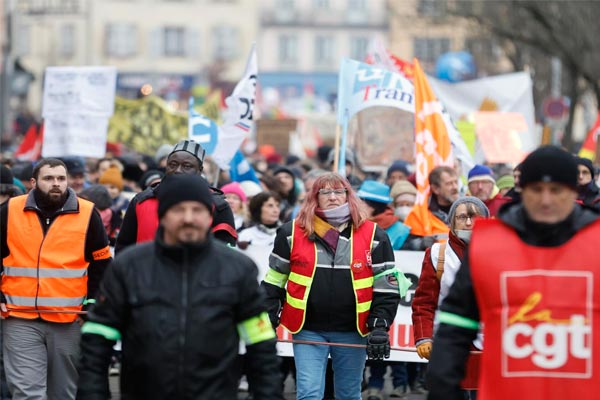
x=588, y=149
x=30, y=148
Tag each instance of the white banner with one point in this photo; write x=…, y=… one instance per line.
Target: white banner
x=362, y=85
x=401, y=332
x=238, y=116
x=79, y=90
x=507, y=93
x=75, y=135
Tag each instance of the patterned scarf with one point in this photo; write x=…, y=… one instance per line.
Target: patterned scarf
x=327, y=232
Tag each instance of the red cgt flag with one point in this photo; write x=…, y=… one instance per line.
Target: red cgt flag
x=30, y=148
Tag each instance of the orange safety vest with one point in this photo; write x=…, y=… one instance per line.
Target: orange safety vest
x=540, y=309
x=432, y=226
x=45, y=272
x=303, y=262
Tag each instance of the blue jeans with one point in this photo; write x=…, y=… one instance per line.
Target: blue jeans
x=399, y=374
x=311, y=362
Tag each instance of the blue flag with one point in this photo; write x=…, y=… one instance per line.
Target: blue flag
x=202, y=129
x=241, y=170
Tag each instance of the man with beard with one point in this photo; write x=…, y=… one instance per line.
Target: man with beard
x=140, y=221
x=180, y=304
x=444, y=191
x=54, y=251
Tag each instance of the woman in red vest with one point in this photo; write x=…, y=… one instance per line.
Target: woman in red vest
x=333, y=272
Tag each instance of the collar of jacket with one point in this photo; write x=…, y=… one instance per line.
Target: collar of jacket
x=182, y=252
x=457, y=245
x=71, y=204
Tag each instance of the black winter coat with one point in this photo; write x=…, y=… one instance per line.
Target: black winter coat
x=177, y=308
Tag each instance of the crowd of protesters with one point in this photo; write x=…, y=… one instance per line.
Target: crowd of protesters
x=297, y=214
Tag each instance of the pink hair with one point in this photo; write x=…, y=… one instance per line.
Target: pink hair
x=306, y=215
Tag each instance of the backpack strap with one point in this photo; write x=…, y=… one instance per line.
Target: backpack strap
x=439, y=270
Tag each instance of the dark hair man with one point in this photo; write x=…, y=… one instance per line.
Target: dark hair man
x=181, y=304
x=54, y=251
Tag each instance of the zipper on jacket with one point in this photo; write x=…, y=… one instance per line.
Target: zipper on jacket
x=37, y=289
x=183, y=323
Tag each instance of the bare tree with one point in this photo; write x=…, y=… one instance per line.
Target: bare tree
x=533, y=31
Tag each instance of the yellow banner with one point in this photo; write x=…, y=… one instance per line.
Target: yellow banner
x=145, y=124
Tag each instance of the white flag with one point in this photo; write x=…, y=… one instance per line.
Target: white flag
x=238, y=116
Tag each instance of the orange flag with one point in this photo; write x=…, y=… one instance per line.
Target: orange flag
x=433, y=149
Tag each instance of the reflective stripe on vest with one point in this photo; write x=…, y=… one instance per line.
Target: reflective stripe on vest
x=540, y=313
x=45, y=272
x=303, y=261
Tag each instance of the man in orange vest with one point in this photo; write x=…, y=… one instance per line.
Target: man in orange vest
x=54, y=251
x=443, y=181
x=530, y=277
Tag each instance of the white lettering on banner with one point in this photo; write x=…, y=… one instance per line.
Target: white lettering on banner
x=543, y=335
x=401, y=331
x=549, y=343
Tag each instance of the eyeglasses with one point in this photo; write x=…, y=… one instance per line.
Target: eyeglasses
x=336, y=192
x=463, y=218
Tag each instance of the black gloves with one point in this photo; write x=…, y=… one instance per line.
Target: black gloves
x=378, y=344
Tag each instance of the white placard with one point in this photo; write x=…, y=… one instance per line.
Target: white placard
x=75, y=135
x=79, y=90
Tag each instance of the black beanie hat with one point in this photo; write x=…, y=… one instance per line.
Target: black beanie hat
x=549, y=164
x=588, y=164
x=176, y=188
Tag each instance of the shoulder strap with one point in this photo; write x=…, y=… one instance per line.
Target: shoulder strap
x=440, y=262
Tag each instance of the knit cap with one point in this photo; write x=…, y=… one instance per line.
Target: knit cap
x=549, y=164
x=176, y=188
x=191, y=147
x=483, y=210
x=402, y=187
x=505, y=182
x=481, y=173
x=398, y=165
x=235, y=188
x=112, y=176
x=586, y=163
x=98, y=195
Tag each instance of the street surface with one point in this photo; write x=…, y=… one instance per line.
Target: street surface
x=289, y=392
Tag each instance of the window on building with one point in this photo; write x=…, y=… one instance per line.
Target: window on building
x=429, y=49
x=483, y=49
x=288, y=49
x=324, y=50
x=23, y=40
x=121, y=40
x=431, y=8
x=357, y=4
x=174, y=41
x=321, y=4
x=358, y=48
x=67, y=41
x=225, y=41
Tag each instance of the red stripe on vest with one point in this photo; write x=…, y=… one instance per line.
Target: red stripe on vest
x=303, y=261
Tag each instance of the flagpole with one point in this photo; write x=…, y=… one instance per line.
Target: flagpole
x=341, y=168
x=338, y=134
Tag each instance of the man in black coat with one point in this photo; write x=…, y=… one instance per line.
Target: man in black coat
x=180, y=305
x=140, y=223
x=507, y=282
